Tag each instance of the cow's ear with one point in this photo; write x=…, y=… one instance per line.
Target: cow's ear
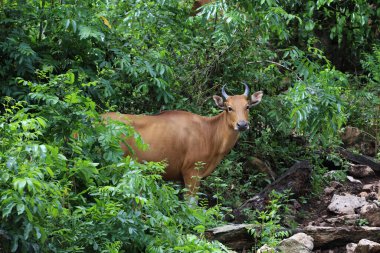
x=256, y=98
x=219, y=102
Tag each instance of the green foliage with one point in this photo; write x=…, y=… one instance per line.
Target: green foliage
x=233, y=182
x=365, y=96
x=362, y=222
x=269, y=220
x=63, y=193
x=317, y=107
x=64, y=184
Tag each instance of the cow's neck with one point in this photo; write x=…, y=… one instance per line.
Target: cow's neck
x=223, y=136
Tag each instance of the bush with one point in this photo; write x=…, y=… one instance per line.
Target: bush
x=66, y=194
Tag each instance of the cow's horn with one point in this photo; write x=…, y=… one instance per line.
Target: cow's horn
x=224, y=94
x=246, y=91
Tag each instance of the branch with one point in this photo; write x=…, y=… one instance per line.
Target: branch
x=277, y=64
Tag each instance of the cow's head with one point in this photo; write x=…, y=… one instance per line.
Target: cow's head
x=237, y=107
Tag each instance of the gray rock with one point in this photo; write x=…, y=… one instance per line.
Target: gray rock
x=300, y=243
x=336, y=184
x=340, y=236
x=360, y=171
x=372, y=196
x=328, y=190
x=353, y=180
x=350, y=248
x=349, y=219
x=363, y=194
x=367, y=246
x=346, y=204
x=235, y=236
x=368, y=187
x=371, y=212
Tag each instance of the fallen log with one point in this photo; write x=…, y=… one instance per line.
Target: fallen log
x=360, y=159
x=296, y=179
x=340, y=236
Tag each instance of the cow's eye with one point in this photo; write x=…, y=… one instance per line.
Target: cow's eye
x=229, y=108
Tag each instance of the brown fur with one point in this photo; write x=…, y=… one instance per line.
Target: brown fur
x=198, y=4
x=184, y=139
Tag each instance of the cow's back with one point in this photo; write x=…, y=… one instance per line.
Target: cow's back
x=175, y=136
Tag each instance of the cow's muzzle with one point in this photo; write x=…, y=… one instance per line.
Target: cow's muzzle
x=242, y=125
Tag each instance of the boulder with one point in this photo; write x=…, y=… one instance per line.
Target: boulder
x=372, y=187
x=346, y=204
x=340, y=236
x=360, y=159
x=367, y=246
x=349, y=219
x=350, y=248
x=300, y=243
x=235, y=236
x=360, y=170
x=355, y=138
x=371, y=212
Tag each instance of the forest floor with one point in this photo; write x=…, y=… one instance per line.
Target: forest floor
x=316, y=211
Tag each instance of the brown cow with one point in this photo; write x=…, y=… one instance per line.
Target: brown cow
x=199, y=3
x=184, y=139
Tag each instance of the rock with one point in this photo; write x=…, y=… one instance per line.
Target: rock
x=349, y=219
x=368, y=187
x=350, y=248
x=328, y=190
x=350, y=135
x=367, y=246
x=235, y=236
x=300, y=243
x=371, y=212
x=304, y=239
x=353, y=180
x=360, y=170
x=266, y=249
x=363, y=194
x=336, y=184
x=360, y=159
x=340, y=236
x=372, y=196
x=366, y=208
x=356, y=138
x=346, y=204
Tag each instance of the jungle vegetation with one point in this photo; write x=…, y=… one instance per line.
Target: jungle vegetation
x=65, y=62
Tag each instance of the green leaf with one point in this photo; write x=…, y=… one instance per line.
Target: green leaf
x=20, y=208
x=28, y=229
x=8, y=209
x=309, y=25
x=19, y=184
